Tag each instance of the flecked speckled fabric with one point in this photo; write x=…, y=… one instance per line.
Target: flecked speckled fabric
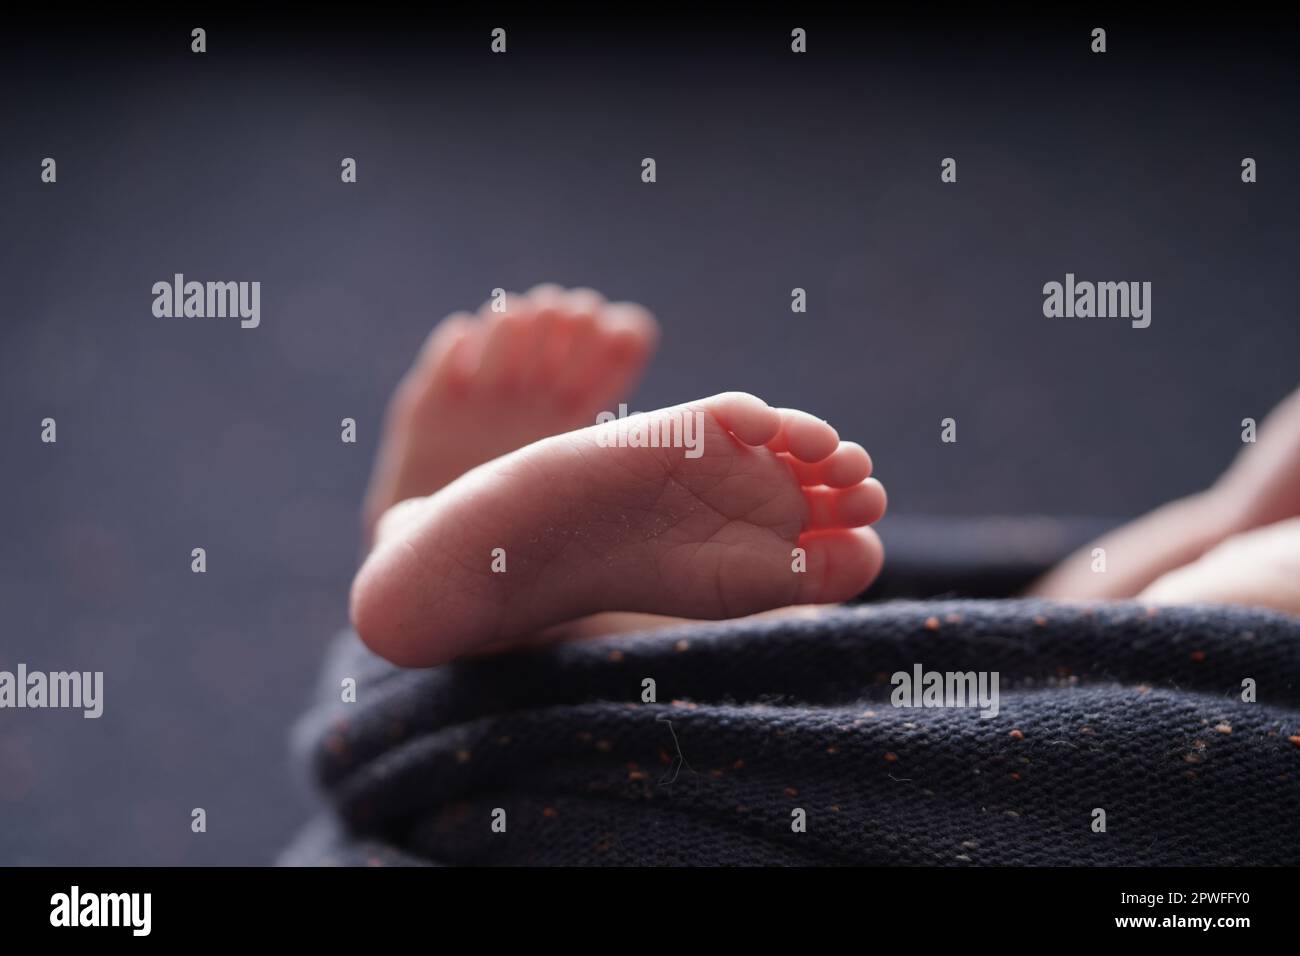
x=1134, y=711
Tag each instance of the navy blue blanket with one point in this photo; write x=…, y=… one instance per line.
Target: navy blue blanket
x=1123, y=735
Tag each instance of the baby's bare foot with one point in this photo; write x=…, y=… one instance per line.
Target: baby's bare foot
x=485, y=385
x=580, y=523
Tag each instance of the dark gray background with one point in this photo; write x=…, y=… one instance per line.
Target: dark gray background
x=775, y=171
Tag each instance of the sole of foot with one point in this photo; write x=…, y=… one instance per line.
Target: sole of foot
x=767, y=509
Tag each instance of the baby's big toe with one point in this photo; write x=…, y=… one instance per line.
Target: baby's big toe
x=841, y=564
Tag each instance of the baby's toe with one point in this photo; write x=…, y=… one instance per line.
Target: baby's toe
x=575, y=370
x=502, y=349
x=846, y=466
x=804, y=436
x=444, y=359
x=630, y=324
x=841, y=564
x=861, y=504
x=544, y=295
x=624, y=352
x=746, y=416
x=583, y=301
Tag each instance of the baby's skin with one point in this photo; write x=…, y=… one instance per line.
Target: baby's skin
x=1237, y=542
x=487, y=384
x=494, y=527
x=501, y=513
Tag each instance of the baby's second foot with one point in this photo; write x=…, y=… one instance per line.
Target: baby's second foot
x=485, y=385
x=771, y=513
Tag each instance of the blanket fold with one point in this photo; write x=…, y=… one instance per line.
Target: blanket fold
x=1122, y=735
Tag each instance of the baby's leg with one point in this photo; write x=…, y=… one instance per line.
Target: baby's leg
x=1261, y=487
x=1260, y=568
x=1139, y=552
